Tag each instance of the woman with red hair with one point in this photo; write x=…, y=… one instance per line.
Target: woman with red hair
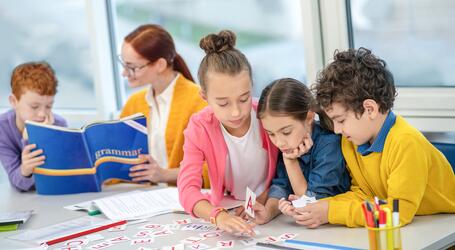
x=149, y=58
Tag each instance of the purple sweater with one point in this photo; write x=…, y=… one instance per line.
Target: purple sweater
x=11, y=145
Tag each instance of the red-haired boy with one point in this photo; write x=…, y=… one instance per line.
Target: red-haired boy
x=33, y=87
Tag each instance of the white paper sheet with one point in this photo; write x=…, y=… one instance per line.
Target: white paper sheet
x=48, y=233
x=140, y=205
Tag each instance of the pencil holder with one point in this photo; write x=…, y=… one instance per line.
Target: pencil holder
x=387, y=238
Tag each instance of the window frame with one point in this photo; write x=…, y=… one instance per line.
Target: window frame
x=429, y=109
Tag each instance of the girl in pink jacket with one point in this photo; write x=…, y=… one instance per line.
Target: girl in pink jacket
x=227, y=136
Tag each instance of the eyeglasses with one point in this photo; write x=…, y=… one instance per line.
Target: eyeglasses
x=129, y=69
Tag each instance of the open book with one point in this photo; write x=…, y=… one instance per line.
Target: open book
x=80, y=160
x=138, y=205
x=143, y=204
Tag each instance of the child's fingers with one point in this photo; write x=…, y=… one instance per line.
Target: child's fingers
x=37, y=164
x=293, y=197
x=243, y=227
x=34, y=165
x=302, y=216
x=310, y=143
x=243, y=215
x=49, y=119
x=282, y=206
x=258, y=207
x=34, y=154
x=36, y=159
x=238, y=211
x=236, y=224
x=302, y=149
x=28, y=148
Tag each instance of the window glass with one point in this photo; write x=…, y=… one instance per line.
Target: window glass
x=269, y=32
x=415, y=37
x=56, y=34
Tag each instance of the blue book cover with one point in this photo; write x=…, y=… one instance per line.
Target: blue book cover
x=80, y=160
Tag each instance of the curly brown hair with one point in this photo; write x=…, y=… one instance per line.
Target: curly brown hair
x=354, y=76
x=35, y=76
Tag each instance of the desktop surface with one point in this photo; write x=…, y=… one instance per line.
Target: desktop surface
x=426, y=232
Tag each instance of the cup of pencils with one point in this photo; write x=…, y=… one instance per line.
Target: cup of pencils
x=383, y=226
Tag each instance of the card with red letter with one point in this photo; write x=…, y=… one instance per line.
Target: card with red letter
x=250, y=200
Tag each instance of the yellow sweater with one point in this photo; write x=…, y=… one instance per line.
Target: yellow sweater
x=409, y=168
x=185, y=102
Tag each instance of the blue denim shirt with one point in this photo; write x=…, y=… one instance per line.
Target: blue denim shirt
x=323, y=167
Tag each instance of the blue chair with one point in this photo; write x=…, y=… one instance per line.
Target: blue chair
x=448, y=150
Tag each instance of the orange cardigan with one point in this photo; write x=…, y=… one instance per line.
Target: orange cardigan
x=185, y=102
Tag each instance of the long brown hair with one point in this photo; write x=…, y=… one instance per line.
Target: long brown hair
x=153, y=42
x=290, y=97
x=221, y=56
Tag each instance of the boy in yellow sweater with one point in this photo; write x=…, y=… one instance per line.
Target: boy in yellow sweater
x=385, y=155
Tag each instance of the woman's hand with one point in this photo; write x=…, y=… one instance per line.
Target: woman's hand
x=148, y=171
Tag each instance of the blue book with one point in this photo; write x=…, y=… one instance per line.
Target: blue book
x=80, y=160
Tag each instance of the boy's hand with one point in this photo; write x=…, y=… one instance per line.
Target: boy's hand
x=303, y=148
x=313, y=215
x=30, y=159
x=286, y=207
x=234, y=224
x=148, y=171
x=261, y=214
x=49, y=119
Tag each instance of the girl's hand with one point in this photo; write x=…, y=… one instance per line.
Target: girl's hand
x=234, y=224
x=302, y=149
x=31, y=159
x=261, y=215
x=240, y=212
x=286, y=207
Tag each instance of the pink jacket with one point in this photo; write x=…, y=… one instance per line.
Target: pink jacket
x=204, y=141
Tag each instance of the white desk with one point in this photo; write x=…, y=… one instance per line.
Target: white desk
x=426, y=232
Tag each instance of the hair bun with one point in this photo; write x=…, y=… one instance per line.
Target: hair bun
x=216, y=43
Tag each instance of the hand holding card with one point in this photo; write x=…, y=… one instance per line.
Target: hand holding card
x=249, y=202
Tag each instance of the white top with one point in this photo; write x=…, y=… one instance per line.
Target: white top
x=247, y=164
x=160, y=106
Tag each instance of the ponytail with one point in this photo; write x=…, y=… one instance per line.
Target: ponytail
x=180, y=66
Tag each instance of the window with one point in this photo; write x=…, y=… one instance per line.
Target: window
x=270, y=33
x=415, y=37
x=57, y=35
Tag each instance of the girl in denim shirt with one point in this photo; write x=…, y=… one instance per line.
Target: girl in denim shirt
x=311, y=162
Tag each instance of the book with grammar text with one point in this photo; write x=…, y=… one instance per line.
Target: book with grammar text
x=80, y=160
